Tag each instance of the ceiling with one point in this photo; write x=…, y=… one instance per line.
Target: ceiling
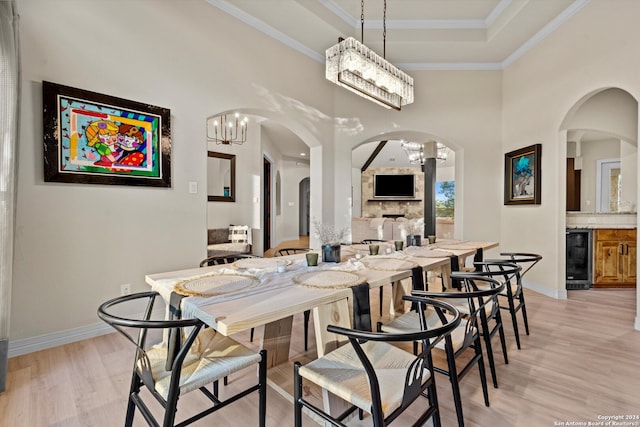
x=421, y=35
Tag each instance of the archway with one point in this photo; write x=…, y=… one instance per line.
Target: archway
x=600, y=125
x=383, y=155
x=250, y=204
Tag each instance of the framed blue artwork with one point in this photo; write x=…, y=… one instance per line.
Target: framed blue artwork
x=522, y=179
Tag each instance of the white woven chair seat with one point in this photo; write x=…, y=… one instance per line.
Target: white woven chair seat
x=213, y=356
x=411, y=322
x=462, y=304
x=341, y=373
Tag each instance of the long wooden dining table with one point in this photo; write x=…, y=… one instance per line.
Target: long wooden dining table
x=276, y=296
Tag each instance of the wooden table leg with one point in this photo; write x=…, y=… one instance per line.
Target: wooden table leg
x=445, y=270
x=277, y=341
x=399, y=289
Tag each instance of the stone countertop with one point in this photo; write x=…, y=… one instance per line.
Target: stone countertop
x=623, y=220
x=595, y=226
x=585, y=213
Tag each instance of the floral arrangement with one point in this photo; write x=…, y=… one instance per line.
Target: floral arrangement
x=414, y=226
x=328, y=234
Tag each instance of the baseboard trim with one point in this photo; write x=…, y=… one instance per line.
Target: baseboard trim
x=43, y=342
x=544, y=290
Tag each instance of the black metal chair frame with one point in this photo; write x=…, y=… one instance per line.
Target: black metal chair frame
x=292, y=251
x=142, y=375
x=413, y=386
x=477, y=300
x=515, y=294
x=225, y=259
x=507, y=269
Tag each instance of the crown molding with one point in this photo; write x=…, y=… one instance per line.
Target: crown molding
x=266, y=29
x=554, y=24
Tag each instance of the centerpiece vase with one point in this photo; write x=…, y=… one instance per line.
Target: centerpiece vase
x=331, y=253
x=413, y=240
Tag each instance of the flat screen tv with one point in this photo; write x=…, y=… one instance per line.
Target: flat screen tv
x=397, y=185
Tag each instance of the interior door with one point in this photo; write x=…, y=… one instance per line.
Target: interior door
x=266, y=218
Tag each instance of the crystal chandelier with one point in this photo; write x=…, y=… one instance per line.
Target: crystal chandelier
x=354, y=66
x=227, y=131
x=416, y=152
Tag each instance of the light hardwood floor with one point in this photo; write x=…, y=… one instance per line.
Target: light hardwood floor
x=580, y=362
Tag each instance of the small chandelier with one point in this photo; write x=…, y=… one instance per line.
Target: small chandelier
x=416, y=152
x=354, y=66
x=227, y=131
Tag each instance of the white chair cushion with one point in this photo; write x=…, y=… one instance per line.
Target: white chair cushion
x=212, y=356
x=341, y=373
x=240, y=234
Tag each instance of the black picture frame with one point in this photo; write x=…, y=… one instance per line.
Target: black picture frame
x=93, y=138
x=522, y=178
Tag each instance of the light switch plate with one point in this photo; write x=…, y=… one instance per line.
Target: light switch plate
x=193, y=187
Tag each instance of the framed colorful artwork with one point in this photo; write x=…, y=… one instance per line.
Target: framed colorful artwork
x=91, y=138
x=522, y=176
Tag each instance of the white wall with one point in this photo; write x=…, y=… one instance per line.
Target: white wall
x=462, y=109
x=75, y=244
x=594, y=50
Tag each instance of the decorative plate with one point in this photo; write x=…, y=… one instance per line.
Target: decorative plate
x=388, y=264
x=215, y=284
x=329, y=279
x=260, y=262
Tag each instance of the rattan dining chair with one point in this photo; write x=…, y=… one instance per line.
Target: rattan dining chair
x=372, y=374
x=201, y=357
x=480, y=293
x=514, y=291
x=493, y=324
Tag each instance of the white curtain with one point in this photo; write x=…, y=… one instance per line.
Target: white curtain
x=9, y=119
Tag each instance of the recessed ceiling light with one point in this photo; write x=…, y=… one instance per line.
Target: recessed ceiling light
x=303, y=154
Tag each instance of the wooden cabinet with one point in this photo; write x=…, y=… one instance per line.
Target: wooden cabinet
x=614, y=258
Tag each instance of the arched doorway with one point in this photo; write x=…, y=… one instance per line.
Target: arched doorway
x=600, y=128
x=267, y=216
x=384, y=155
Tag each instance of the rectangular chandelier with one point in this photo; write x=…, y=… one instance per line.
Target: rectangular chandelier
x=354, y=66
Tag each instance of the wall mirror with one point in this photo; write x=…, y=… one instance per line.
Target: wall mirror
x=221, y=177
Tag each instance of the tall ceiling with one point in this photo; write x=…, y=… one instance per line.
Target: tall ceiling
x=420, y=35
